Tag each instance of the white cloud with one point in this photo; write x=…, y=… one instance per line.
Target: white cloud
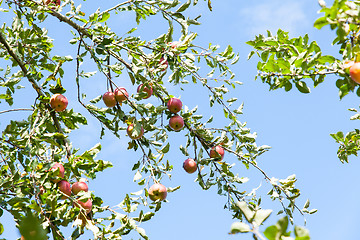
x=272, y=15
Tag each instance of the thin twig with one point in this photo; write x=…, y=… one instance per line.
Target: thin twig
x=18, y=109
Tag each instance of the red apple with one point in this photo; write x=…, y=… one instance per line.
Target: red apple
x=64, y=187
x=157, y=192
x=134, y=134
x=174, y=105
x=61, y=171
x=58, y=102
x=109, y=99
x=56, y=2
x=163, y=65
x=217, y=152
x=176, y=123
x=121, y=94
x=148, y=90
x=190, y=165
x=79, y=186
x=86, y=205
x=355, y=72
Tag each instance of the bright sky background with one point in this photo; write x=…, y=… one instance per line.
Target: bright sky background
x=297, y=126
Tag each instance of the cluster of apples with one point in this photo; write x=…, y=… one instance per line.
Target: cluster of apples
x=119, y=95
x=217, y=152
x=66, y=188
x=176, y=122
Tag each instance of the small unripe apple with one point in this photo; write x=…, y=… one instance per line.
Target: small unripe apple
x=190, y=165
x=64, y=187
x=174, y=105
x=157, y=192
x=61, y=171
x=86, y=205
x=109, y=99
x=132, y=134
x=163, y=65
x=148, y=90
x=176, y=123
x=79, y=186
x=121, y=94
x=58, y=102
x=355, y=72
x=217, y=152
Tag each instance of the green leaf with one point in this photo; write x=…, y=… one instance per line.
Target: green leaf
x=261, y=215
x=301, y=233
x=166, y=148
x=271, y=232
x=302, y=87
x=248, y=213
x=321, y=22
x=239, y=227
x=104, y=17
x=184, y=6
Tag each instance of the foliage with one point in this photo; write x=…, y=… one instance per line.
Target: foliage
x=30, y=146
x=286, y=61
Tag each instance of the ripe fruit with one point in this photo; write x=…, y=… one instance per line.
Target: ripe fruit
x=142, y=88
x=61, y=171
x=121, y=94
x=217, y=152
x=176, y=123
x=190, y=165
x=86, y=205
x=58, y=102
x=174, y=105
x=157, y=192
x=134, y=133
x=355, y=72
x=79, y=186
x=109, y=99
x=163, y=65
x=56, y=2
x=64, y=187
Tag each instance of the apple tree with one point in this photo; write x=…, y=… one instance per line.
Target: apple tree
x=44, y=174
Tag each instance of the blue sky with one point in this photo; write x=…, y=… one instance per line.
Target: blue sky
x=297, y=126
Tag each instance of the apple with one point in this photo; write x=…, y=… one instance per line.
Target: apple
x=86, y=205
x=174, y=105
x=134, y=134
x=79, y=186
x=142, y=88
x=217, y=152
x=190, y=165
x=176, y=123
x=121, y=94
x=157, y=192
x=355, y=72
x=163, y=64
x=109, y=99
x=58, y=102
x=61, y=171
x=64, y=187
x=56, y=2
